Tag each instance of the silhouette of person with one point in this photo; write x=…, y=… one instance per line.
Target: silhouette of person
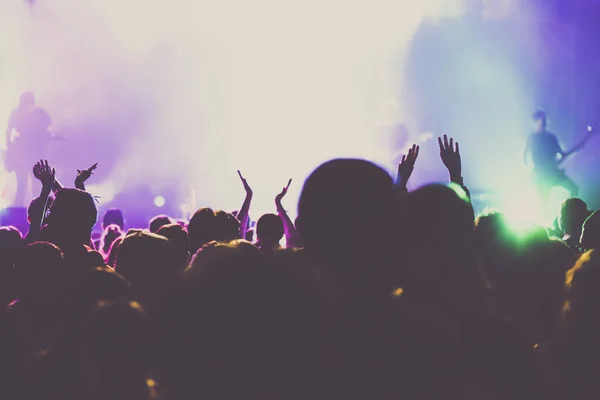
x=31, y=124
x=546, y=155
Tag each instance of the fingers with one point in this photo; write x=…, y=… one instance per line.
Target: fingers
x=457, y=148
x=288, y=184
x=93, y=167
x=412, y=155
x=240, y=175
x=447, y=144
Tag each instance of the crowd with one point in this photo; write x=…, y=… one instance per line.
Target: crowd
x=378, y=293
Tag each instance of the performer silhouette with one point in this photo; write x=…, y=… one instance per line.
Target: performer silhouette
x=26, y=137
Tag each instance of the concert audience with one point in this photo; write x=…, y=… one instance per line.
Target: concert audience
x=110, y=234
x=380, y=293
x=573, y=214
x=112, y=216
x=158, y=222
x=269, y=231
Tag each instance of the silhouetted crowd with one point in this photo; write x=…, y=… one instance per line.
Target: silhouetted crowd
x=378, y=293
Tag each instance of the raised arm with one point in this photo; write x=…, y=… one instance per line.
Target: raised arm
x=407, y=166
x=83, y=176
x=244, y=212
x=291, y=235
x=36, y=173
x=450, y=155
x=47, y=177
x=566, y=154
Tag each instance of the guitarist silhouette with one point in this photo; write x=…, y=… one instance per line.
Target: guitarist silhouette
x=23, y=149
x=547, y=155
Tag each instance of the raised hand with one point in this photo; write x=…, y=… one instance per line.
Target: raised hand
x=247, y=187
x=450, y=155
x=37, y=170
x=244, y=214
x=407, y=165
x=83, y=176
x=281, y=195
x=291, y=235
x=45, y=174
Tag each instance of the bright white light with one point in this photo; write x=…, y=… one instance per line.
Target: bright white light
x=556, y=197
x=105, y=193
x=159, y=201
x=522, y=214
x=521, y=203
x=270, y=88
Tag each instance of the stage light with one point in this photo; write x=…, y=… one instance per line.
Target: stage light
x=521, y=220
x=104, y=192
x=159, y=201
x=522, y=209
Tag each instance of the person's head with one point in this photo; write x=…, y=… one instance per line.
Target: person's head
x=99, y=284
x=235, y=317
x=443, y=216
x=541, y=120
x=573, y=214
x=27, y=100
x=159, y=221
x=269, y=230
x=110, y=234
x=36, y=207
x=443, y=259
x=114, y=350
x=348, y=218
x=493, y=234
x=113, y=216
x=11, y=242
x=72, y=217
x=40, y=274
x=208, y=225
x=146, y=261
x=590, y=235
x=496, y=245
x=178, y=238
